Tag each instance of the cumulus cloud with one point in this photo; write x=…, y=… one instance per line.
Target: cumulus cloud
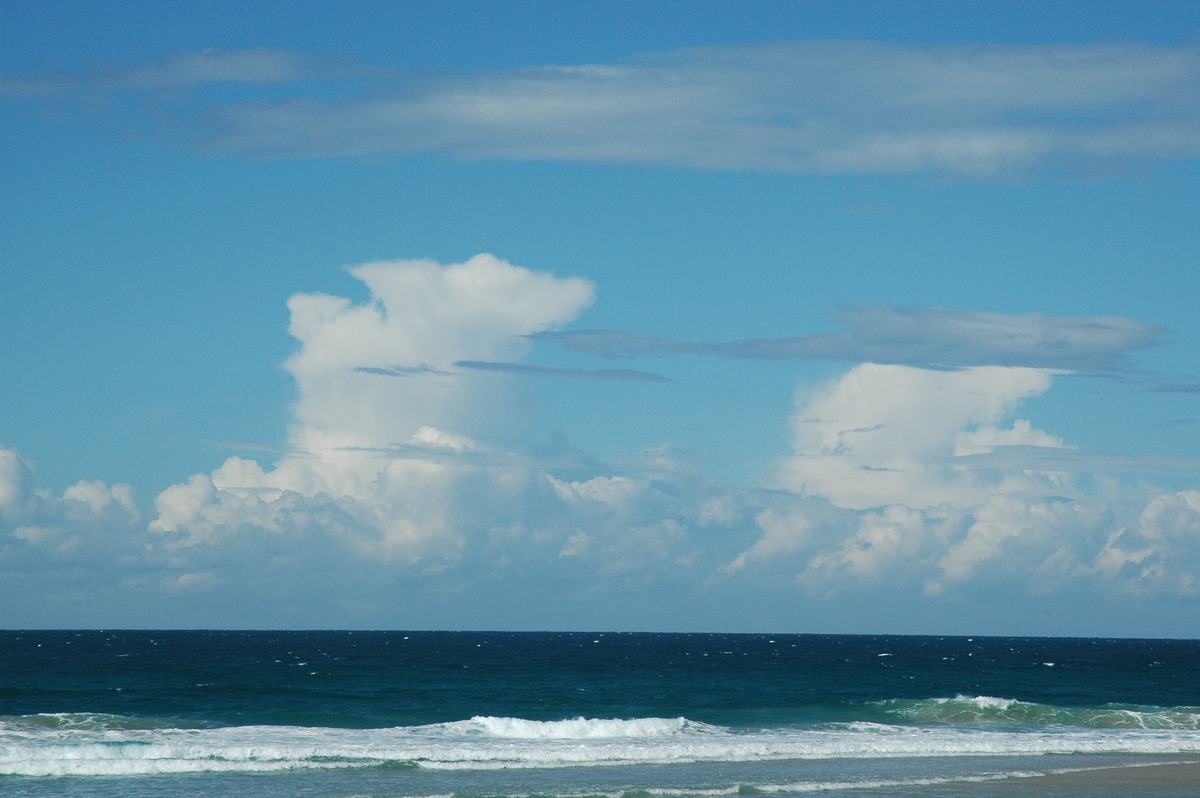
x=405, y=486
x=827, y=107
x=16, y=478
x=411, y=465
x=926, y=480
x=925, y=337
x=430, y=316
x=889, y=484
x=62, y=550
x=885, y=435
x=890, y=546
x=37, y=517
x=396, y=470
x=1160, y=550
x=1045, y=540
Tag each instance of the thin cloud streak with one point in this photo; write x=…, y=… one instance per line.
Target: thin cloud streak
x=923, y=337
x=1178, y=387
x=182, y=69
x=525, y=370
x=1067, y=460
x=403, y=371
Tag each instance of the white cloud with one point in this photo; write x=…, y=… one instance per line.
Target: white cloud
x=89, y=536
x=879, y=456
x=383, y=464
x=1161, y=551
x=883, y=435
x=16, y=478
x=1042, y=540
x=426, y=316
x=832, y=107
x=401, y=494
x=85, y=503
x=809, y=106
x=782, y=534
x=890, y=545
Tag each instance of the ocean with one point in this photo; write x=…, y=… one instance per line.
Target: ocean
x=620, y=715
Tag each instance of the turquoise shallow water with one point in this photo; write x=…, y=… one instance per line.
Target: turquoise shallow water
x=573, y=714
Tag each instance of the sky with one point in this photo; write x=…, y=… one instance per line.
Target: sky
x=868, y=317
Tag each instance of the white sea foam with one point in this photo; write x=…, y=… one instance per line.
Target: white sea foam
x=991, y=710
x=581, y=728
x=981, y=701
x=497, y=743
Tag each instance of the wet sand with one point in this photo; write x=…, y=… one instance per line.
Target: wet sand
x=1171, y=779
x=1167, y=780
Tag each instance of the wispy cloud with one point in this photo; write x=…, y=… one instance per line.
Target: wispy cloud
x=182, y=69
x=525, y=370
x=403, y=371
x=1176, y=387
x=827, y=107
x=819, y=106
x=926, y=337
x=1061, y=459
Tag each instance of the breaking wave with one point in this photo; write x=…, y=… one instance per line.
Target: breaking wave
x=109, y=745
x=581, y=728
x=987, y=710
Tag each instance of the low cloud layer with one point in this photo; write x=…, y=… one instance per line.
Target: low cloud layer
x=410, y=495
x=825, y=107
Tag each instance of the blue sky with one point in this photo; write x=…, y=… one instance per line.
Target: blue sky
x=862, y=317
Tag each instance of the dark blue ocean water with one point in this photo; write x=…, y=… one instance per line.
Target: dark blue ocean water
x=497, y=713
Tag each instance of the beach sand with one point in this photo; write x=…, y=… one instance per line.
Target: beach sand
x=1161, y=780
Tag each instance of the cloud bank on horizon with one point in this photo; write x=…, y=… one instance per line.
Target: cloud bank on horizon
x=406, y=464
x=823, y=107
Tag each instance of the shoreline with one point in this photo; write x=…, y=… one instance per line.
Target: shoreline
x=1163, y=777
